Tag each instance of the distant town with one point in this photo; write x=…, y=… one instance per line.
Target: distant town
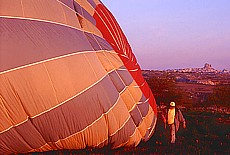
x=205, y=75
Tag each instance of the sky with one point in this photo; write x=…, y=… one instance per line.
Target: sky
x=172, y=34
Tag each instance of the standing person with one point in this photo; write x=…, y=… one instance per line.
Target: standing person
x=173, y=116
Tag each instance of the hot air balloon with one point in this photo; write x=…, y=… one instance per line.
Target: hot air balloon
x=69, y=79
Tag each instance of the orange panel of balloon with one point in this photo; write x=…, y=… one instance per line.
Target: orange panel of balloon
x=69, y=79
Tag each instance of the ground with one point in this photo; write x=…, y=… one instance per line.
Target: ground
x=206, y=133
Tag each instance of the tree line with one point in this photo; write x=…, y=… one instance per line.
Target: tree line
x=165, y=90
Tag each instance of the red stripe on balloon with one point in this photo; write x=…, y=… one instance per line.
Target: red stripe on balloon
x=114, y=35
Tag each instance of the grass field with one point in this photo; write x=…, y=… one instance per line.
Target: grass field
x=193, y=87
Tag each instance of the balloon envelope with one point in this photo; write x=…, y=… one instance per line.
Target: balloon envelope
x=69, y=79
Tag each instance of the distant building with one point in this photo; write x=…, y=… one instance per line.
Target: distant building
x=225, y=71
x=207, y=66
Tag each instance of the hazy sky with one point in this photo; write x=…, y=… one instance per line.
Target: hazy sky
x=176, y=33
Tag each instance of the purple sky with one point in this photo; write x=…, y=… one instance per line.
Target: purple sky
x=167, y=34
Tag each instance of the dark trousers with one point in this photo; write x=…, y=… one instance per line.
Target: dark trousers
x=172, y=128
